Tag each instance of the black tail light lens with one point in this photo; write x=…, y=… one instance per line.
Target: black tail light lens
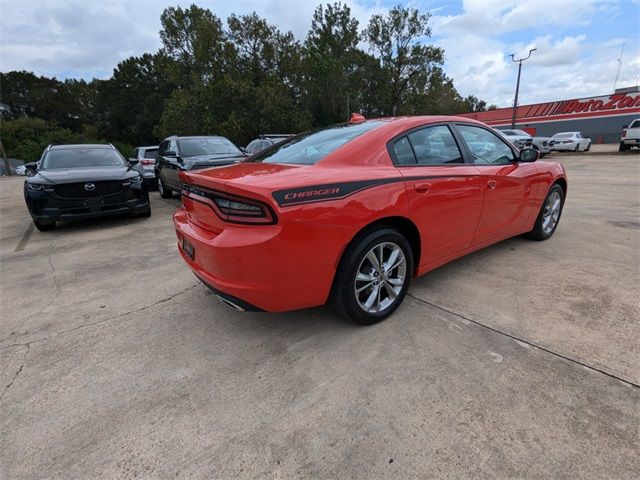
x=232, y=208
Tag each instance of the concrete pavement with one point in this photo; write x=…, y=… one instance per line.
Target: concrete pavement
x=521, y=360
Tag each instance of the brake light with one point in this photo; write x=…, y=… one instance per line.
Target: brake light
x=147, y=161
x=624, y=132
x=231, y=208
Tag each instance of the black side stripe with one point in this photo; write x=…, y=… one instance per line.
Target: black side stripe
x=337, y=191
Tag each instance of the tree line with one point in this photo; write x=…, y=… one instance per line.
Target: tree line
x=238, y=79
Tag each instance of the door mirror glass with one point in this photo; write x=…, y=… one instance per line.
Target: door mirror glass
x=528, y=155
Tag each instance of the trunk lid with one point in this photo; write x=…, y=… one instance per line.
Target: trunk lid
x=252, y=181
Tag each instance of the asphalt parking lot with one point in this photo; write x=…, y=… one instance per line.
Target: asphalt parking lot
x=521, y=360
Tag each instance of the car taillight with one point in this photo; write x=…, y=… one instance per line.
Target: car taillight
x=231, y=208
x=624, y=132
x=148, y=161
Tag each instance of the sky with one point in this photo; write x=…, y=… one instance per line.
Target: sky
x=578, y=41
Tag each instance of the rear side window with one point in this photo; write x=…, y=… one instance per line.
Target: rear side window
x=404, y=152
x=151, y=153
x=309, y=148
x=435, y=146
x=486, y=147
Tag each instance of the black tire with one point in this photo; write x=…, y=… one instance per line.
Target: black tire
x=343, y=294
x=164, y=191
x=44, y=226
x=538, y=232
x=577, y=149
x=623, y=147
x=588, y=147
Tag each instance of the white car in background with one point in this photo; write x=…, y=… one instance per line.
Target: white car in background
x=521, y=139
x=571, y=141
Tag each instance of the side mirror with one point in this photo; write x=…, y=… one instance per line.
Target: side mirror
x=133, y=161
x=170, y=153
x=625, y=126
x=31, y=167
x=243, y=149
x=529, y=155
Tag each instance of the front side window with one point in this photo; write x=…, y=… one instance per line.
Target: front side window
x=486, y=148
x=82, y=157
x=309, y=148
x=435, y=146
x=191, y=147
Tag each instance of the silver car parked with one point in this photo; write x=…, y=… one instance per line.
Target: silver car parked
x=143, y=160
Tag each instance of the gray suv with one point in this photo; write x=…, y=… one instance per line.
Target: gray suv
x=143, y=160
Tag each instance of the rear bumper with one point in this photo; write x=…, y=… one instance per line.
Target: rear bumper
x=271, y=268
x=631, y=141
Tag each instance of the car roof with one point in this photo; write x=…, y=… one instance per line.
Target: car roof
x=177, y=137
x=80, y=145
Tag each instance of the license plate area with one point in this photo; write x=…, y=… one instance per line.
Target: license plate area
x=188, y=248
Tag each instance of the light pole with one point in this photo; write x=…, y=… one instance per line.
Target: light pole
x=515, y=100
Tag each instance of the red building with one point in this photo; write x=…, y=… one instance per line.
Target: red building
x=599, y=118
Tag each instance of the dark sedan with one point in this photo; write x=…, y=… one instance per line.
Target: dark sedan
x=82, y=181
x=177, y=154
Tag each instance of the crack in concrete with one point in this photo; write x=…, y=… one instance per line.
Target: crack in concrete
x=53, y=270
x=98, y=322
x=526, y=342
x=15, y=375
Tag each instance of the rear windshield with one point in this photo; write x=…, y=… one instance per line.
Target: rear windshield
x=151, y=153
x=309, y=148
x=190, y=147
x=635, y=124
x=82, y=157
x=563, y=135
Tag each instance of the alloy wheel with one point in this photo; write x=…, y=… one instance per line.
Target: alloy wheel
x=380, y=277
x=551, y=213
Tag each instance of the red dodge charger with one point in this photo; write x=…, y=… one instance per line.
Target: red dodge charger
x=350, y=213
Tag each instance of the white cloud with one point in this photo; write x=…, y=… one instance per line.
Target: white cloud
x=85, y=38
x=563, y=66
x=497, y=17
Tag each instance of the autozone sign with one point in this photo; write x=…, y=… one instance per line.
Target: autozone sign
x=617, y=101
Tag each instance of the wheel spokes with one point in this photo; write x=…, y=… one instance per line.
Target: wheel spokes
x=371, y=256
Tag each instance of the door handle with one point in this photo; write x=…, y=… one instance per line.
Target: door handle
x=422, y=187
x=491, y=184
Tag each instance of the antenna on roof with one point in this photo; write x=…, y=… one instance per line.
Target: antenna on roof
x=615, y=82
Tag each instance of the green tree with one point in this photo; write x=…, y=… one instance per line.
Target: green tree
x=332, y=64
x=408, y=66
x=194, y=38
x=132, y=100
